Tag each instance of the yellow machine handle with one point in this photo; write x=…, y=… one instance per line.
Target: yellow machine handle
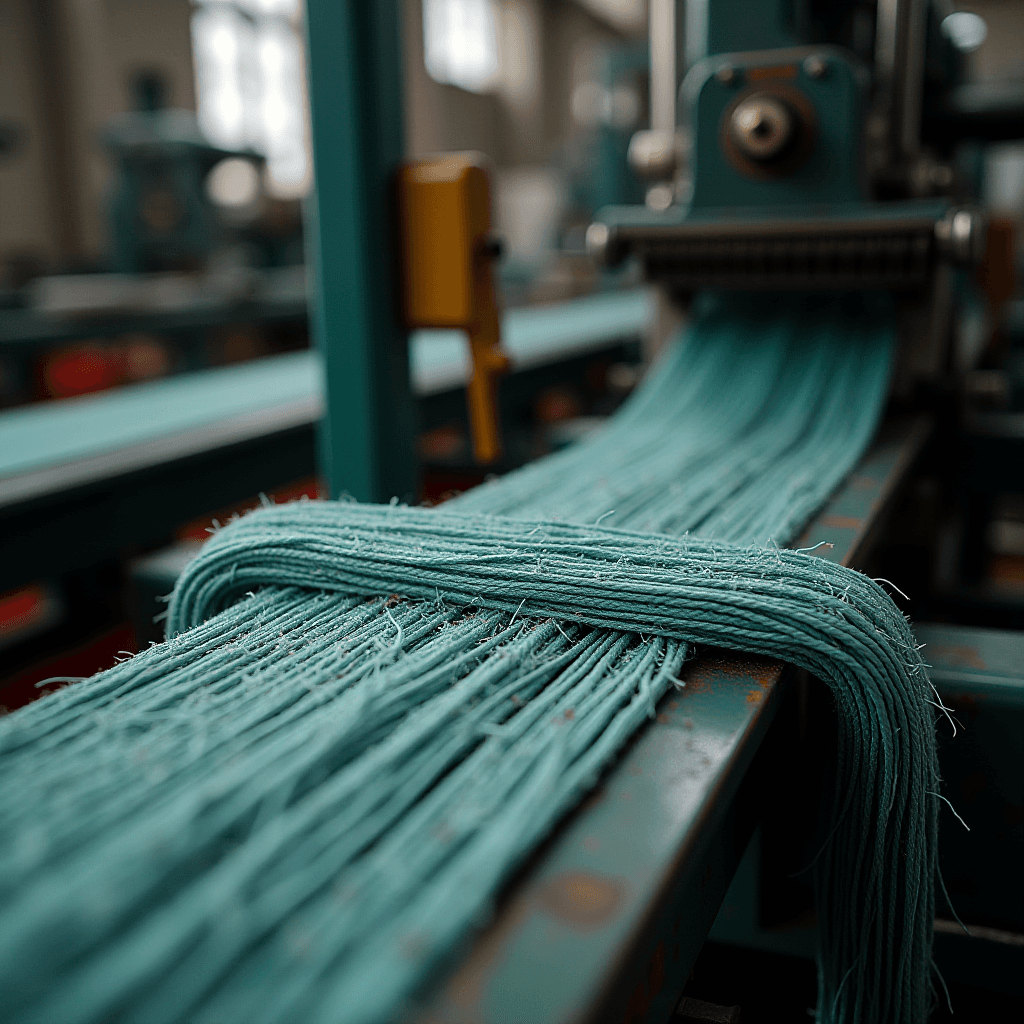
x=448, y=280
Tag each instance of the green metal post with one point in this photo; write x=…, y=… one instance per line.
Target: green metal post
x=355, y=77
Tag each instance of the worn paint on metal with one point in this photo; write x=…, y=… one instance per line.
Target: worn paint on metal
x=842, y=522
x=548, y=954
x=957, y=656
x=581, y=898
x=975, y=665
x=355, y=79
x=979, y=674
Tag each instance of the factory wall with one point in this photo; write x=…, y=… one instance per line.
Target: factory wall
x=152, y=35
x=28, y=224
x=442, y=117
x=65, y=70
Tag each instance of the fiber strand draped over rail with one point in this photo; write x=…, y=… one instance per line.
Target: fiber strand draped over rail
x=294, y=807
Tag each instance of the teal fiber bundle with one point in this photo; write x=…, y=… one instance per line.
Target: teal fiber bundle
x=292, y=808
x=832, y=621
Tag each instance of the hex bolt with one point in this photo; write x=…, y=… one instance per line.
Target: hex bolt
x=654, y=155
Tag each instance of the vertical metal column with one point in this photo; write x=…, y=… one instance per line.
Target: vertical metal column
x=661, y=16
x=355, y=81
x=900, y=38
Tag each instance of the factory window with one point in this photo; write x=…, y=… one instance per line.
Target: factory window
x=460, y=43
x=250, y=82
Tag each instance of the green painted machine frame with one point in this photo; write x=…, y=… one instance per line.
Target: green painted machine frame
x=355, y=76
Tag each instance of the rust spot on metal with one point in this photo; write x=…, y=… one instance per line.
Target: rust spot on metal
x=963, y=656
x=713, y=664
x=697, y=683
x=583, y=900
x=755, y=696
x=1007, y=571
x=664, y=719
x=780, y=71
x=842, y=522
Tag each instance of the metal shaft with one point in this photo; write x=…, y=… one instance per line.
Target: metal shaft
x=662, y=28
x=899, y=65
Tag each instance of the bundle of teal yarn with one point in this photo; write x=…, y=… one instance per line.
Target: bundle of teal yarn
x=356, y=730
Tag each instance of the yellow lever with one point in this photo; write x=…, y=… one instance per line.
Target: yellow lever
x=447, y=254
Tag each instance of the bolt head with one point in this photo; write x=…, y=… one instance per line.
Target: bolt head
x=659, y=197
x=815, y=66
x=726, y=75
x=762, y=127
x=961, y=236
x=654, y=154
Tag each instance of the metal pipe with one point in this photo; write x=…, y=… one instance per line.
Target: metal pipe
x=662, y=28
x=899, y=65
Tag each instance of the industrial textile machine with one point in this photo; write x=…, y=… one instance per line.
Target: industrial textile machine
x=792, y=159
x=795, y=146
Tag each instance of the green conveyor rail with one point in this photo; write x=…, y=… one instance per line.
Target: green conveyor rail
x=57, y=433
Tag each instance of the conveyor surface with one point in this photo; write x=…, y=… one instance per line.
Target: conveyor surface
x=57, y=445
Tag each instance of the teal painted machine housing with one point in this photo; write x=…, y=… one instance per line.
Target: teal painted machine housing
x=832, y=172
x=740, y=25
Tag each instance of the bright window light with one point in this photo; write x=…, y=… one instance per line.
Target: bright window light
x=250, y=83
x=460, y=43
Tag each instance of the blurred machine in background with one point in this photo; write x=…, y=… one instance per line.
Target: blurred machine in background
x=162, y=215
